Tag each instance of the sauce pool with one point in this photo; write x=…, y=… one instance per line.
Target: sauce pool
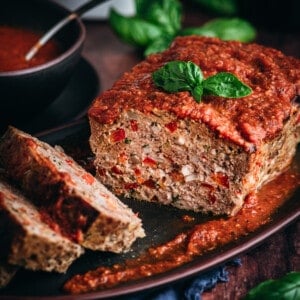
x=16, y=42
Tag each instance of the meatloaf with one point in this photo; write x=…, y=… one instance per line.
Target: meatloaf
x=70, y=199
x=26, y=240
x=208, y=156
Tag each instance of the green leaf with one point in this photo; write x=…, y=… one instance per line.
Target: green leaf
x=141, y=7
x=225, y=29
x=231, y=29
x=158, y=45
x=178, y=76
x=286, y=288
x=197, y=92
x=133, y=30
x=164, y=13
x=157, y=21
x=225, y=84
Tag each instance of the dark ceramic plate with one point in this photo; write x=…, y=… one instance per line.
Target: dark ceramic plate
x=27, y=284
x=70, y=105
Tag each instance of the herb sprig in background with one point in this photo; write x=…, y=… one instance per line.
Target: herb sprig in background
x=285, y=288
x=157, y=22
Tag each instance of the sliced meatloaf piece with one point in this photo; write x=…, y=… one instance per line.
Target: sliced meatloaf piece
x=27, y=241
x=71, y=200
x=208, y=156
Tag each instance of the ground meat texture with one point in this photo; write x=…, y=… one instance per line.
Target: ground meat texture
x=28, y=242
x=206, y=157
x=71, y=201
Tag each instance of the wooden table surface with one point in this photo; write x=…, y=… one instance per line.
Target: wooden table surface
x=280, y=253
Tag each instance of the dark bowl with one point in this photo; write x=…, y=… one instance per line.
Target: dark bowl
x=23, y=93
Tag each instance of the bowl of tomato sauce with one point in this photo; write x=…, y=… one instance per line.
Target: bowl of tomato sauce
x=27, y=87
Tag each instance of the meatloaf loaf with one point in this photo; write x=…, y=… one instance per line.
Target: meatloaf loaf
x=70, y=199
x=208, y=156
x=26, y=240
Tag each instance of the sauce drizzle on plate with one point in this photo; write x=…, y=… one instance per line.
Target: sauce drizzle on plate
x=217, y=232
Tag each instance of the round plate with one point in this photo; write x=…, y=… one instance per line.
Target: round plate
x=159, y=230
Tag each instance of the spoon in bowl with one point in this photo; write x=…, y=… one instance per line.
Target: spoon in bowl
x=53, y=30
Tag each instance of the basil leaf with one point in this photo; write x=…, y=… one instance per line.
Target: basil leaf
x=178, y=76
x=133, y=30
x=159, y=45
x=141, y=8
x=164, y=13
x=231, y=29
x=286, y=288
x=197, y=92
x=225, y=29
x=159, y=19
x=225, y=85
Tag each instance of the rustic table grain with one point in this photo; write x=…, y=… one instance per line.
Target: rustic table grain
x=278, y=254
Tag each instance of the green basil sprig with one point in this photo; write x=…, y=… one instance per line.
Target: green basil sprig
x=164, y=13
x=153, y=19
x=226, y=29
x=285, y=288
x=157, y=22
x=176, y=76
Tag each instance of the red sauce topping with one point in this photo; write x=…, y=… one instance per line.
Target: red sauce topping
x=16, y=42
x=272, y=76
x=257, y=211
x=73, y=217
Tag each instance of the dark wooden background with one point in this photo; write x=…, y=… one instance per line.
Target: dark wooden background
x=277, y=255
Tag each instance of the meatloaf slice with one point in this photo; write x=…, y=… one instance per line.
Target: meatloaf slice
x=71, y=200
x=27, y=241
x=208, y=156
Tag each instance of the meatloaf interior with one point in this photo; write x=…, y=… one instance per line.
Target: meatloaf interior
x=190, y=167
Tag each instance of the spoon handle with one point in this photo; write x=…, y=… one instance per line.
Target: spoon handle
x=53, y=30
